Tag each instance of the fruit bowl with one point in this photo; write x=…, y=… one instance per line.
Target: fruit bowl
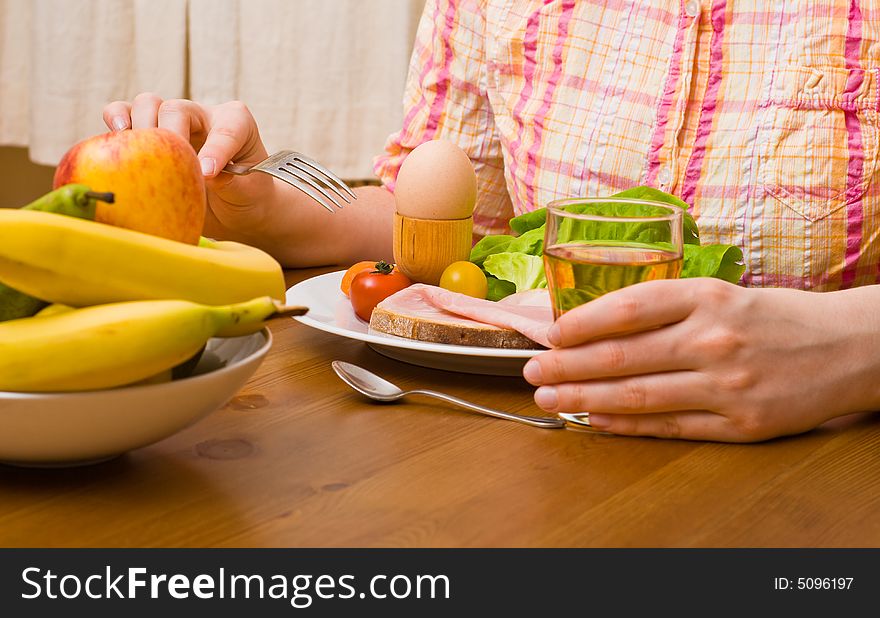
x=69, y=429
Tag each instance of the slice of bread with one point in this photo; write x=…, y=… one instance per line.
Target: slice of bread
x=441, y=327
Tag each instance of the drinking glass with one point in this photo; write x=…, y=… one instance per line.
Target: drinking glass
x=593, y=246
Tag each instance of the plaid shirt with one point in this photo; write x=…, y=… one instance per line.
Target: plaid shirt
x=760, y=114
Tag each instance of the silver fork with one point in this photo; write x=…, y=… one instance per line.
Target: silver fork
x=304, y=173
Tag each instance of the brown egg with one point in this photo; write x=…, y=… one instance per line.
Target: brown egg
x=436, y=181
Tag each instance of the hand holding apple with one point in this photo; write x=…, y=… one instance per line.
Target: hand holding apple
x=237, y=205
x=154, y=174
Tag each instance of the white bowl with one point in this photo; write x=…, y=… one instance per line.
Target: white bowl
x=64, y=429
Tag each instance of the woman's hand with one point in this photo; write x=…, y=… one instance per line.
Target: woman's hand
x=220, y=134
x=703, y=359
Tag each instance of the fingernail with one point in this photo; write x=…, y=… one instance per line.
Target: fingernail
x=208, y=165
x=554, y=336
x=599, y=421
x=546, y=398
x=119, y=123
x=532, y=372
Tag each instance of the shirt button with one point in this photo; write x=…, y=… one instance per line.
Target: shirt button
x=692, y=8
x=664, y=176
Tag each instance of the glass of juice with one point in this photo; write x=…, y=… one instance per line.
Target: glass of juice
x=596, y=245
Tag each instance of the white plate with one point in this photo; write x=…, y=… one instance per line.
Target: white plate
x=330, y=311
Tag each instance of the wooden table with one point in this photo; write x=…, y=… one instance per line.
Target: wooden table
x=298, y=459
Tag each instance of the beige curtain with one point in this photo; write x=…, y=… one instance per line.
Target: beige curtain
x=322, y=77
x=62, y=60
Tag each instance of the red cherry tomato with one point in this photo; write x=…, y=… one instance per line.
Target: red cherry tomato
x=371, y=287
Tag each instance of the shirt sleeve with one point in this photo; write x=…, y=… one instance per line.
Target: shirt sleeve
x=445, y=98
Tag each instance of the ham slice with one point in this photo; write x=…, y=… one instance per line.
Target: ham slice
x=531, y=298
x=430, y=313
x=527, y=312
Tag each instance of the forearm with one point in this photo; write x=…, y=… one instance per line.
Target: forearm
x=300, y=233
x=857, y=313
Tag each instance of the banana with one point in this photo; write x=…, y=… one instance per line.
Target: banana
x=81, y=263
x=117, y=344
x=72, y=200
x=183, y=370
x=54, y=310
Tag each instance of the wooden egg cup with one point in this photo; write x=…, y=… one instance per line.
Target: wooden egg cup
x=423, y=248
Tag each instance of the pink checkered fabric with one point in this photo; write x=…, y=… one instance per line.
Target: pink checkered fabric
x=760, y=114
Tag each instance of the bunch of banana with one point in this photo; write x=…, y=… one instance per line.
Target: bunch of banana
x=82, y=263
x=119, y=343
x=128, y=307
x=72, y=200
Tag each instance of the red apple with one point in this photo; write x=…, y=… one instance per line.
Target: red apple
x=154, y=175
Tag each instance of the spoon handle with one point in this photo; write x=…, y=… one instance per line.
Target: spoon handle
x=534, y=421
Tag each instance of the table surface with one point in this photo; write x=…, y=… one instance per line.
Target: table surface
x=298, y=459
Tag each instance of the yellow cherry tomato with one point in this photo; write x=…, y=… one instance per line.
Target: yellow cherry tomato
x=465, y=278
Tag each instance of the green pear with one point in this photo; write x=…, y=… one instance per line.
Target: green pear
x=72, y=200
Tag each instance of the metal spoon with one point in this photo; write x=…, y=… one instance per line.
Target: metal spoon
x=374, y=387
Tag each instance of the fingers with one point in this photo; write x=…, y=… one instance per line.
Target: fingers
x=148, y=110
x=117, y=115
x=221, y=134
x=183, y=117
x=233, y=136
x=140, y=113
x=634, y=308
x=657, y=392
x=145, y=110
x=687, y=425
x=664, y=349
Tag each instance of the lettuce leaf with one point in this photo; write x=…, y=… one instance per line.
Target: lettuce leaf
x=536, y=219
x=526, y=272
x=514, y=263
x=499, y=288
x=490, y=245
x=529, y=221
x=719, y=261
x=691, y=232
x=530, y=243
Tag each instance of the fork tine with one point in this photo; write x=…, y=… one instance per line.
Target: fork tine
x=308, y=186
x=333, y=178
x=290, y=179
x=319, y=180
x=313, y=182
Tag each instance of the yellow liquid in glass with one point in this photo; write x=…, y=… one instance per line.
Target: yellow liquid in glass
x=578, y=272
